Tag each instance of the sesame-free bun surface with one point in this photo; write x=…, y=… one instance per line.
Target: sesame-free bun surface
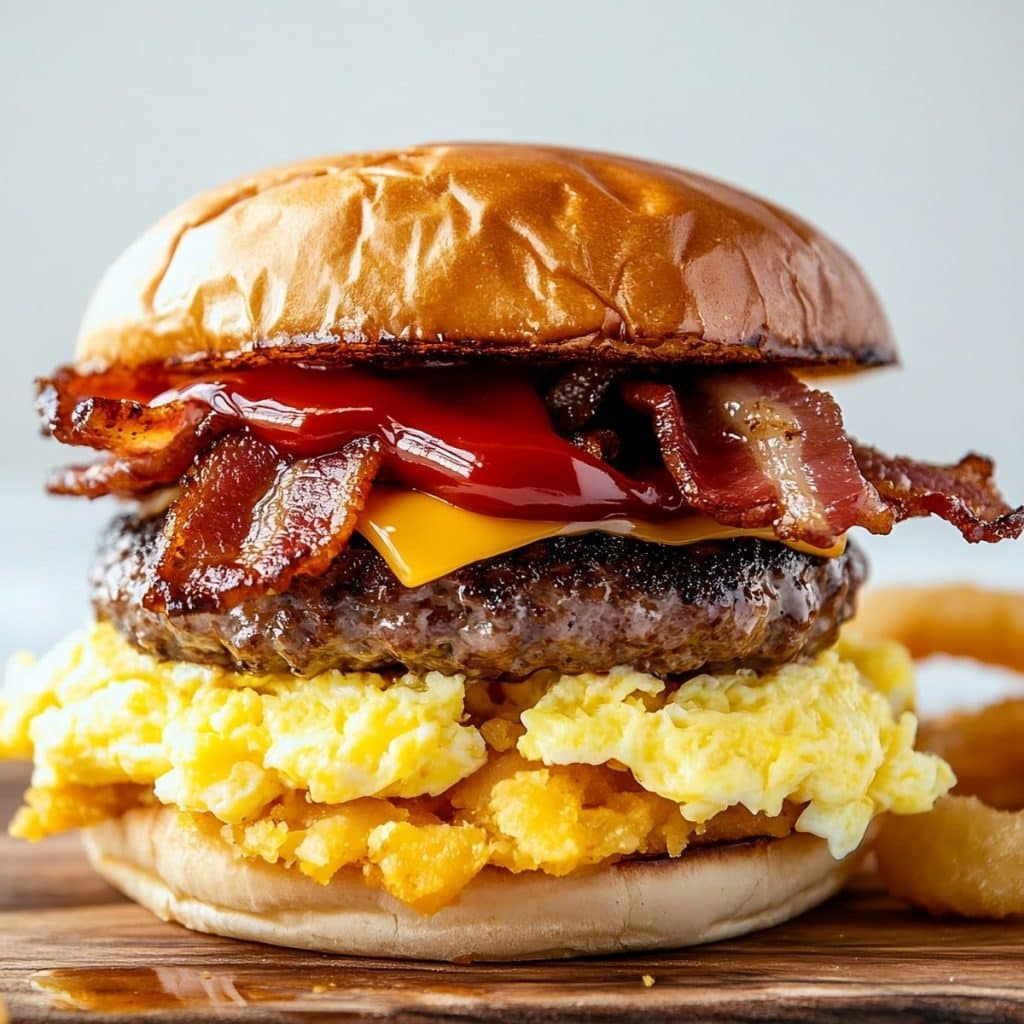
x=709, y=893
x=463, y=251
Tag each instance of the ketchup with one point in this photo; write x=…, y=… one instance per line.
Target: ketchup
x=482, y=442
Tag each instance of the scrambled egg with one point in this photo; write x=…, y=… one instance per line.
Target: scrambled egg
x=96, y=711
x=422, y=782
x=810, y=733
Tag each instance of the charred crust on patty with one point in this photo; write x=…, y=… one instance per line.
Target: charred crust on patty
x=569, y=604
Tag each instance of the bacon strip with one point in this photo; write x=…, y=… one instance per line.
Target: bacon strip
x=56, y=396
x=250, y=521
x=758, y=449
x=126, y=427
x=750, y=448
x=149, y=446
x=161, y=454
x=964, y=495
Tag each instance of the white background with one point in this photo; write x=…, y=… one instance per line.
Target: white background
x=897, y=127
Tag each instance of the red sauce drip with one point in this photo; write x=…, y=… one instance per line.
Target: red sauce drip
x=483, y=443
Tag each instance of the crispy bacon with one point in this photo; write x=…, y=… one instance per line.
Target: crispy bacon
x=750, y=448
x=148, y=446
x=964, y=495
x=250, y=521
x=157, y=452
x=125, y=426
x=759, y=449
x=56, y=396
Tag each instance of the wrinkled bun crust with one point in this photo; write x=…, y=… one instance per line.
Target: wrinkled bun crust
x=463, y=251
x=708, y=894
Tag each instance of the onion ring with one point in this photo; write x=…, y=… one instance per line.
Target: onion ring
x=964, y=857
x=985, y=751
x=962, y=621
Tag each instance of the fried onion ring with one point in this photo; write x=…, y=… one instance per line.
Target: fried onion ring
x=985, y=751
x=964, y=857
x=962, y=621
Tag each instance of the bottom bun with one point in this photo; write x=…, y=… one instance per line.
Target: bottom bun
x=709, y=893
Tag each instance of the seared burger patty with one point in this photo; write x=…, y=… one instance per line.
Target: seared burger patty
x=573, y=604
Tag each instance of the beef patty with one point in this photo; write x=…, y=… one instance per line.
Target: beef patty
x=572, y=604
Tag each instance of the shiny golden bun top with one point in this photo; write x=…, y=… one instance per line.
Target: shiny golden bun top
x=458, y=251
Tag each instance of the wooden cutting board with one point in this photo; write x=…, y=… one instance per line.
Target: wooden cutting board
x=73, y=949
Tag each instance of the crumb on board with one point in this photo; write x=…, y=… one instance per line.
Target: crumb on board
x=648, y=980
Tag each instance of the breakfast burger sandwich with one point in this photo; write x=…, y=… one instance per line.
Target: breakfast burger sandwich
x=484, y=549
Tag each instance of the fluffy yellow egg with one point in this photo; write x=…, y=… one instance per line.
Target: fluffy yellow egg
x=815, y=733
x=421, y=782
x=96, y=711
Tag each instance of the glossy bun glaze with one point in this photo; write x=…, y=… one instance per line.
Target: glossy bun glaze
x=460, y=251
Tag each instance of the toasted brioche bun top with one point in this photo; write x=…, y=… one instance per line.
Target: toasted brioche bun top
x=459, y=251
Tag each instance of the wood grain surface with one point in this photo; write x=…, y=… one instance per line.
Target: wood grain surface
x=72, y=949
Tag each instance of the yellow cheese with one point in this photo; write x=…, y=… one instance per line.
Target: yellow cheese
x=423, y=538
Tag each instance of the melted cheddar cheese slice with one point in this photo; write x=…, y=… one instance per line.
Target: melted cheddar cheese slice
x=423, y=538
